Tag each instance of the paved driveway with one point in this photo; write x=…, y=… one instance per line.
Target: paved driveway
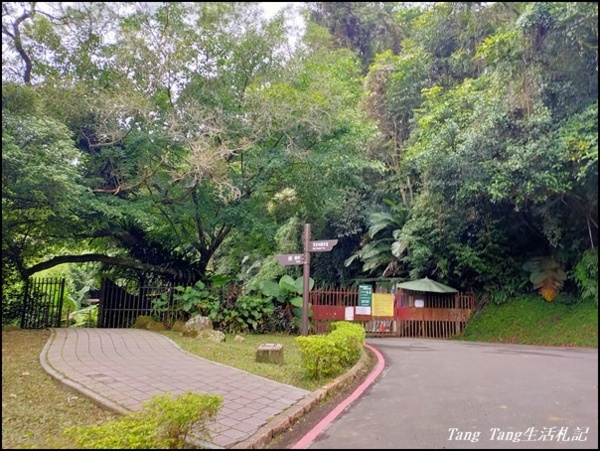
x=446, y=394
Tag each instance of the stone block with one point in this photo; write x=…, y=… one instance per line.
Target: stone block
x=270, y=353
x=214, y=336
x=199, y=323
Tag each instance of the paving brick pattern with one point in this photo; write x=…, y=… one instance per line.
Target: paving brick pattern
x=124, y=367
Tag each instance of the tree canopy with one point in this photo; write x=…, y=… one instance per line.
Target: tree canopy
x=455, y=140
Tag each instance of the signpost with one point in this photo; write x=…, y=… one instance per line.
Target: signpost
x=322, y=246
x=304, y=259
x=290, y=259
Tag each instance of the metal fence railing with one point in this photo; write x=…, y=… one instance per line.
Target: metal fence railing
x=42, y=303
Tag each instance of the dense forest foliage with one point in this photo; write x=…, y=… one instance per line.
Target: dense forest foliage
x=454, y=140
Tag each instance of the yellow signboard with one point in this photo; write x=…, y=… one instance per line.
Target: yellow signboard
x=383, y=304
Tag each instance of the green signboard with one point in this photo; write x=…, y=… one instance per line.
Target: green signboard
x=365, y=295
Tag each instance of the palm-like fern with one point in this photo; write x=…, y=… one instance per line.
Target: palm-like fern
x=547, y=275
x=382, y=247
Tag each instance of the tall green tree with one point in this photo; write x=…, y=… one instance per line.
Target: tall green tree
x=364, y=27
x=488, y=148
x=197, y=125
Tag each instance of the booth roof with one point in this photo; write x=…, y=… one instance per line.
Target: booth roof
x=427, y=285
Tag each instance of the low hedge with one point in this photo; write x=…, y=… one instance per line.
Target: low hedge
x=164, y=422
x=328, y=355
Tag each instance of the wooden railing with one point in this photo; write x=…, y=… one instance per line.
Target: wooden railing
x=444, y=316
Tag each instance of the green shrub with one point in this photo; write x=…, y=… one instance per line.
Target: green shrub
x=586, y=273
x=142, y=322
x=185, y=300
x=319, y=355
x=178, y=326
x=164, y=422
x=177, y=415
x=288, y=293
x=85, y=317
x=189, y=332
x=128, y=432
x=241, y=315
x=328, y=355
x=253, y=310
x=12, y=308
x=12, y=294
x=155, y=326
x=351, y=339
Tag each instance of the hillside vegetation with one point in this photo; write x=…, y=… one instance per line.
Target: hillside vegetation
x=527, y=320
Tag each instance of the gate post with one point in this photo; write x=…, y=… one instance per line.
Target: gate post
x=101, y=303
x=24, y=309
x=60, y=303
x=457, y=319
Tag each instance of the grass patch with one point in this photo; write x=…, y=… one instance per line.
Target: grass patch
x=242, y=355
x=531, y=320
x=35, y=409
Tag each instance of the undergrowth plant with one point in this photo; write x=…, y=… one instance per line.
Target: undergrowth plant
x=328, y=355
x=547, y=275
x=586, y=274
x=85, y=317
x=186, y=299
x=287, y=293
x=244, y=314
x=164, y=422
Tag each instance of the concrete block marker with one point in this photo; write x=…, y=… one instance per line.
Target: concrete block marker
x=270, y=353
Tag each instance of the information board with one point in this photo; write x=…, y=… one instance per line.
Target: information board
x=365, y=294
x=383, y=304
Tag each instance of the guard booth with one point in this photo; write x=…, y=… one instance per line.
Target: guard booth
x=420, y=308
x=427, y=308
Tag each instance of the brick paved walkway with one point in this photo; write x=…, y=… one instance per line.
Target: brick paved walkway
x=121, y=368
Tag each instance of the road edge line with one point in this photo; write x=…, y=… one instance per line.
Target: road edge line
x=305, y=441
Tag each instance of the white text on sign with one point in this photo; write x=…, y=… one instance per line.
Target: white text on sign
x=322, y=246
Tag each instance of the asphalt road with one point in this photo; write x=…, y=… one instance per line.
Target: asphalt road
x=447, y=394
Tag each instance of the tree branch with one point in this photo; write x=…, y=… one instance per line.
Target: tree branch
x=219, y=237
x=16, y=37
x=198, y=218
x=146, y=176
x=590, y=232
x=116, y=261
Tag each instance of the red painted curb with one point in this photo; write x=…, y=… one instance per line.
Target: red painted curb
x=305, y=441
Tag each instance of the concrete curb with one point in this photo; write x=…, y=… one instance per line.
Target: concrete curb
x=278, y=425
x=370, y=378
x=282, y=422
x=96, y=398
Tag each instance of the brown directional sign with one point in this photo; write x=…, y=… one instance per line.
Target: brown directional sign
x=304, y=259
x=290, y=259
x=322, y=245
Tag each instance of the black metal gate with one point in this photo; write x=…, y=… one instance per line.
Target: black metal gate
x=120, y=305
x=42, y=303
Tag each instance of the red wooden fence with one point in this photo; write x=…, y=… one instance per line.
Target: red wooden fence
x=443, y=316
